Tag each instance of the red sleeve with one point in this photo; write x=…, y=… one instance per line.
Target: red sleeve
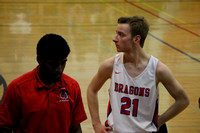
x=9, y=109
x=79, y=114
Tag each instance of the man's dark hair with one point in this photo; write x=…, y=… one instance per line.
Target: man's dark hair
x=52, y=46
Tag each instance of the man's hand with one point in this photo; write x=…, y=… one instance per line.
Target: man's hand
x=99, y=128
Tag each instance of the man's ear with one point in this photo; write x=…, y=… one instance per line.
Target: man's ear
x=38, y=59
x=137, y=39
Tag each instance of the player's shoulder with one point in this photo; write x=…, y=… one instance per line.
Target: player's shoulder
x=161, y=67
x=106, y=66
x=20, y=82
x=162, y=71
x=71, y=82
x=108, y=63
x=23, y=79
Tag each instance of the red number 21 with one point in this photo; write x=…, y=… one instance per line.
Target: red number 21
x=126, y=105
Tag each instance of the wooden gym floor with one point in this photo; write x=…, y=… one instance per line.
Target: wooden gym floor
x=89, y=26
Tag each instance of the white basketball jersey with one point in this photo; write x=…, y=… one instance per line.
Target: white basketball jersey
x=134, y=101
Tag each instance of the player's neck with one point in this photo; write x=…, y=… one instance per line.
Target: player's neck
x=136, y=56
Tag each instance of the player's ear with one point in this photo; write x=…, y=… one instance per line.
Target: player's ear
x=38, y=59
x=136, y=39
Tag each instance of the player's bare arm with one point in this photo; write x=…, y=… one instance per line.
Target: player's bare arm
x=165, y=76
x=104, y=73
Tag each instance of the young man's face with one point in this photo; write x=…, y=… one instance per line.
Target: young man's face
x=123, y=39
x=52, y=69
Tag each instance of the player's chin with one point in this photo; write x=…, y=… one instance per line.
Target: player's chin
x=56, y=78
x=119, y=50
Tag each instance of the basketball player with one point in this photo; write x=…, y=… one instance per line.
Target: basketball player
x=44, y=100
x=135, y=76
